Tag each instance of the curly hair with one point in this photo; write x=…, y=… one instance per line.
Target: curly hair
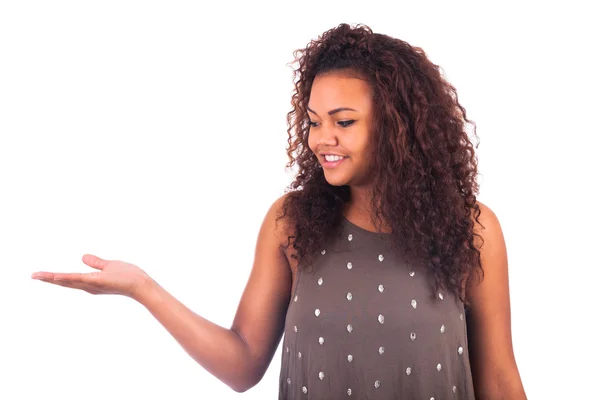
x=423, y=166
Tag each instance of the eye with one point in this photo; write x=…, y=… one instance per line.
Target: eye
x=346, y=123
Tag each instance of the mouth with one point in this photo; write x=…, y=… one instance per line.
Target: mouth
x=333, y=163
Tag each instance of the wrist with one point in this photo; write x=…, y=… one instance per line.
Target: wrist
x=144, y=289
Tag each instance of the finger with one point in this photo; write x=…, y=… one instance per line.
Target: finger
x=76, y=277
x=72, y=285
x=79, y=277
x=42, y=275
x=94, y=262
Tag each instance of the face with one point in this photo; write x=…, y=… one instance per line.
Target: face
x=339, y=110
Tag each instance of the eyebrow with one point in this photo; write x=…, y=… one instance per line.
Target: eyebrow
x=335, y=110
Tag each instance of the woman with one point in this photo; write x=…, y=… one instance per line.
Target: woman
x=379, y=263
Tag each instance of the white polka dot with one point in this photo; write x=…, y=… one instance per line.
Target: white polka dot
x=439, y=367
x=349, y=391
x=460, y=350
x=320, y=281
x=304, y=389
x=350, y=237
x=380, y=288
x=349, y=296
x=443, y=329
x=350, y=358
x=380, y=319
x=321, y=375
x=349, y=265
x=377, y=384
x=323, y=252
x=321, y=340
x=349, y=328
x=381, y=350
x=408, y=371
x=317, y=312
x=413, y=303
x=381, y=257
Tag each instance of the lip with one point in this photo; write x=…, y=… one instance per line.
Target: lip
x=332, y=164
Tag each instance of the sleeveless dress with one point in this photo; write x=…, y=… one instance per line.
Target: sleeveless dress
x=363, y=324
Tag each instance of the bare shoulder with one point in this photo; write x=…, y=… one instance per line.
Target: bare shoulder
x=486, y=215
x=282, y=228
x=488, y=228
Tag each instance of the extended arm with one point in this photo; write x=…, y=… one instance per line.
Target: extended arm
x=238, y=356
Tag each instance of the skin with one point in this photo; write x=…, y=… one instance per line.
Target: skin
x=239, y=356
x=493, y=364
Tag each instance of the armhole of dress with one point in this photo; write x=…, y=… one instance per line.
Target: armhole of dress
x=295, y=283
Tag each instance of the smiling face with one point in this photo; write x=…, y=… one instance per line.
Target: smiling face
x=340, y=110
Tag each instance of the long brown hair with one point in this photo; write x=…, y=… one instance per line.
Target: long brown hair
x=424, y=166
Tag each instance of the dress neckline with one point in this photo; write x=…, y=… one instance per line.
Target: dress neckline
x=363, y=231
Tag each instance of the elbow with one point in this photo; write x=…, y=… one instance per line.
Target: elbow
x=239, y=385
x=247, y=380
x=250, y=370
x=239, y=389
x=243, y=386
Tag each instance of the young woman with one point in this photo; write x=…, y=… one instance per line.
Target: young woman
x=385, y=276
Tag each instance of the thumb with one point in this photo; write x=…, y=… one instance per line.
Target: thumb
x=94, y=262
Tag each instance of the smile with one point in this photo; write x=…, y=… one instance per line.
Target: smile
x=333, y=164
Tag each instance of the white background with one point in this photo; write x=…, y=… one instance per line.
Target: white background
x=154, y=133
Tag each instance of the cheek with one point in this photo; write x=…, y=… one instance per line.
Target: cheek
x=359, y=149
x=311, y=144
x=365, y=150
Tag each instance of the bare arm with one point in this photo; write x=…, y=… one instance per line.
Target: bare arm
x=495, y=372
x=239, y=356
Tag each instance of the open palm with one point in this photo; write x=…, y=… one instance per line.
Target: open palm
x=112, y=277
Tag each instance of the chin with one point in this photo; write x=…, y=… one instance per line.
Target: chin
x=336, y=181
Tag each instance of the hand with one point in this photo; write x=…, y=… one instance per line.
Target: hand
x=113, y=277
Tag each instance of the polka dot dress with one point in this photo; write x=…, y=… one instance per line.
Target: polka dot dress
x=362, y=324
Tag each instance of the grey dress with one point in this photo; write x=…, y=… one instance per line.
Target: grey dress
x=362, y=324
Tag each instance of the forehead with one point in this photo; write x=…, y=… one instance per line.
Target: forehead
x=339, y=90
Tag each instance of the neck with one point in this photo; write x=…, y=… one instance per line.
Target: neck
x=360, y=203
x=359, y=209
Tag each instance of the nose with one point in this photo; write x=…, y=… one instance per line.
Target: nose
x=324, y=136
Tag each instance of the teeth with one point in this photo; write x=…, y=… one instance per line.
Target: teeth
x=332, y=158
